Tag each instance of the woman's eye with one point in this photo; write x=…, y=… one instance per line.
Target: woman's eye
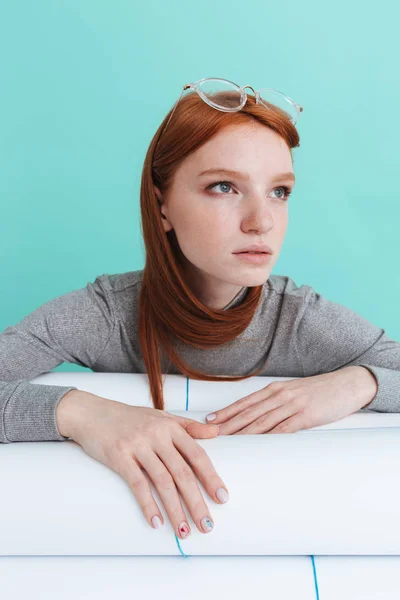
x=221, y=183
x=286, y=191
x=227, y=184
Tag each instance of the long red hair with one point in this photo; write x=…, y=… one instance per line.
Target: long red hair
x=167, y=307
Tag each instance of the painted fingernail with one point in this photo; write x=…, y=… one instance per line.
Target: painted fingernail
x=184, y=530
x=222, y=495
x=156, y=522
x=207, y=524
x=211, y=417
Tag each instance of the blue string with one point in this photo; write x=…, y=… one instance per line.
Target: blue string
x=187, y=393
x=180, y=549
x=187, y=408
x=315, y=577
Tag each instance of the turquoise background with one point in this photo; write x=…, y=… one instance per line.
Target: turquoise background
x=85, y=84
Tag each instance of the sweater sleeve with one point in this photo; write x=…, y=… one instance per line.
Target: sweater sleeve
x=73, y=328
x=330, y=336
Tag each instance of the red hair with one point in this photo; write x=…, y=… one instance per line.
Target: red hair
x=167, y=307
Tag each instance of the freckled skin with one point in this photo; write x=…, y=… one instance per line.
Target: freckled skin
x=212, y=224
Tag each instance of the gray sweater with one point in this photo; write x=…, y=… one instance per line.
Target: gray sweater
x=295, y=332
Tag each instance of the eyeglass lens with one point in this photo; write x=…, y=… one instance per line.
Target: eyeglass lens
x=227, y=95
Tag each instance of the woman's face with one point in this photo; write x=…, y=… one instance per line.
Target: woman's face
x=212, y=220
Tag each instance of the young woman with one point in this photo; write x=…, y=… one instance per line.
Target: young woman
x=214, y=202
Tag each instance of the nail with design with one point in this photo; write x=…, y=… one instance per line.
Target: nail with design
x=207, y=524
x=184, y=530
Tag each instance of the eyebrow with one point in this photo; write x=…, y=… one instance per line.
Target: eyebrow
x=281, y=176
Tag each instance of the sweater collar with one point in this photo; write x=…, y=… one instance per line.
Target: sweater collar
x=237, y=299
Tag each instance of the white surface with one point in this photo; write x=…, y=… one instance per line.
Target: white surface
x=157, y=578
x=82, y=504
x=358, y=577
x=200, y=578
x=316, y=492
x=198, y=397
x=325, y=492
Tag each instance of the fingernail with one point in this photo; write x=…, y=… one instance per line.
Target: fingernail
x=184, y=530
x=207, y=524
x=222, y=495
x=156, y=522
x=211, y=417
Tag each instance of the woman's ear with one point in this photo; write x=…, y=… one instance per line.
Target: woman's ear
x=157, y=193
x=166, y=224
x=159, y=197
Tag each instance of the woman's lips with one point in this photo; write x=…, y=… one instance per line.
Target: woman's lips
x=252, y=257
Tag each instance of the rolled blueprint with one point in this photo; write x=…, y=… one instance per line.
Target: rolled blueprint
x=330, y=490
x=324, y=492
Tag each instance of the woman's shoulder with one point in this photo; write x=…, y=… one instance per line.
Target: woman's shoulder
x=119, y=282
x=122, y=292
x=285, y=285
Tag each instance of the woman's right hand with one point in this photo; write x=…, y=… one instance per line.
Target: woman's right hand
x=129, y=439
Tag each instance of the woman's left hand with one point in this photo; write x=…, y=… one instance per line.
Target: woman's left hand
x=289, y=406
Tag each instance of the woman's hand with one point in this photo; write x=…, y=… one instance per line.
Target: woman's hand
x=288, y=406
x=130, y=439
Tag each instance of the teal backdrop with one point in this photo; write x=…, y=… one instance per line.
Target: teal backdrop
x=85, y=84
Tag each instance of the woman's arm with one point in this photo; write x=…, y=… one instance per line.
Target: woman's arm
x=330, y=336
x=72, y=328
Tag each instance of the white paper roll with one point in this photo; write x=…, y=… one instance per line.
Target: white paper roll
x=330, y=490
x=324, y=492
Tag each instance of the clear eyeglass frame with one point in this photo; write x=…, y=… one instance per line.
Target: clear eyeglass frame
x=197, y=87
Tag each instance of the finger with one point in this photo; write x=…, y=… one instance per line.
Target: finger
x=166, y=488
x=233, y=409
x=202, y=466
x=269, y=420
x=197, y=432
x=197, y=429
x=250, y=415
x=186, y=483
x=291, y=425
x=134, y=477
